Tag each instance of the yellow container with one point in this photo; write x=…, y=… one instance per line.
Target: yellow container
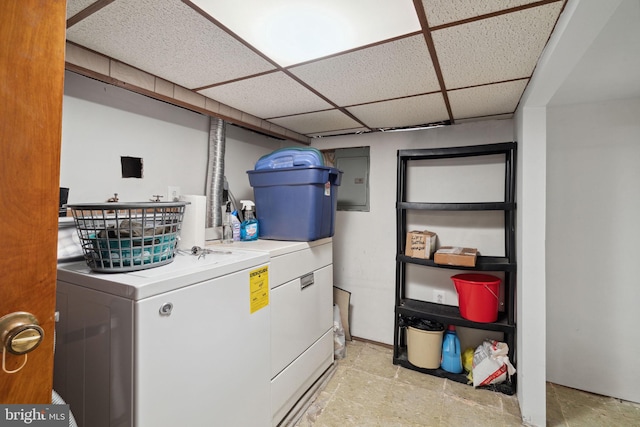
x=424, y=348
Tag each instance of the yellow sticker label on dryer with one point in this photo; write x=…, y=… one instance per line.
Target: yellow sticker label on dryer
x=259, y=288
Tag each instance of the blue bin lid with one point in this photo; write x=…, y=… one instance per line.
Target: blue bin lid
x=301, y=175
x=290, y=157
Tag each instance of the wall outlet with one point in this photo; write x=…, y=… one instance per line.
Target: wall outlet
x=173, y=193
x=438, y=296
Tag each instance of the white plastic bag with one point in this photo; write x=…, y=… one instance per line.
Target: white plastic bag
x=491, y=363
x=339, y=344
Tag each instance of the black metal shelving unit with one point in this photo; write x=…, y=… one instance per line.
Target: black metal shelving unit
x=406, y=307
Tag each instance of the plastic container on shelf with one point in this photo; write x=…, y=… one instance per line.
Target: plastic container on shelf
x=451, y=354
x=296, y=203
x=478, y=296
x=424, y=343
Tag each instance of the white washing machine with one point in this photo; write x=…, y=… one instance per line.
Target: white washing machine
x=184, y=344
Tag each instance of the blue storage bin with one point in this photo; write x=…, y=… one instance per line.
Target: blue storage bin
x=290, y=157
x=297, y=203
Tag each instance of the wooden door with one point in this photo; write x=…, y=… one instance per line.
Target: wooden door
x=32, y=34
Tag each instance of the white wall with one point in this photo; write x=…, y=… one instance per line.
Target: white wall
x=102, y=122
x=578, y=26
x=593, y=205
x=365, y=242
x=530, y=250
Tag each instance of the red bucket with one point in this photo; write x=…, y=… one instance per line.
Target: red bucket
x=478, y=296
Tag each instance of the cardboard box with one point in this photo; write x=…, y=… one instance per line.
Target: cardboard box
x=420, y=244
x=455, y=255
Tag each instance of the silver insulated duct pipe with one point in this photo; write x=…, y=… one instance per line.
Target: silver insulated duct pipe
x=215, y=172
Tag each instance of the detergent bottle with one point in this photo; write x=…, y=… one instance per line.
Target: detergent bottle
x=249, y=227
x=451, y=356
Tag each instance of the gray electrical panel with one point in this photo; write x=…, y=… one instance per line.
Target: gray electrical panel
x=353, y=194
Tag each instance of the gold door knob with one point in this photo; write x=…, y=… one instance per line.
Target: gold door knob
x=20, y=332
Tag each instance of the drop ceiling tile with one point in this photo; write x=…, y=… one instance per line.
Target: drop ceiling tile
x=413, y=111
x=489, y=100
x=293, y=31
x=445, y=11
x=495, y=49
x=391, y=70
x=269, y=95
x=320, y=121
x=169, y=39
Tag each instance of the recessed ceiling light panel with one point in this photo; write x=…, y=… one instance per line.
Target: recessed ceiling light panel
x=294, y=31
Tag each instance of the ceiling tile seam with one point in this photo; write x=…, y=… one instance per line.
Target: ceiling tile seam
x=493, y=14
x=564, y=4
x=239, y=79
x=424, y=23
x=523, y=91
x=301, y=114
x=488, y=84
x=380, y=101
x=87, y=11
x=342, y=110
x=393, y=99
x=321, y=96
x=536, y=65
x=174, y=101
x=355, y=49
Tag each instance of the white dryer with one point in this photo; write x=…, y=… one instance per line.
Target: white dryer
x=184, y=344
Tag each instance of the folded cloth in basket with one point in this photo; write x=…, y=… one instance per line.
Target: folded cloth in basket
x=128, y=228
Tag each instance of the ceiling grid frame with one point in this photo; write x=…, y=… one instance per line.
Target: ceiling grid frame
x=400, y=110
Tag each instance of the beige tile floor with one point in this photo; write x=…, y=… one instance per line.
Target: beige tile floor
x=368, y=390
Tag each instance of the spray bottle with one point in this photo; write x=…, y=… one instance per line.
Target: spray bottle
x=249, y=227
x=235, y=225
x=227, y=228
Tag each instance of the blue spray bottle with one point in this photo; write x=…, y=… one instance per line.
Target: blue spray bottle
x=451, y=356
x=249, y=227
